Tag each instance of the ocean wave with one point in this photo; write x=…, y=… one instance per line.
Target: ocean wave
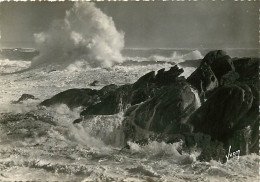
x=8, y=66
x=94, y=40
x=176, y=57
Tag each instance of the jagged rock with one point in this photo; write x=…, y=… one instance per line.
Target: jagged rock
x=219, y=62
x=231, y=113
x=112, y=103
x=203, y=79
x=168, y=77
x=163, y=107
x=213, y=55
x=124, y=96
x=163, y=113
x=221, y=116
x=25, y=97
x=143, y=88
x=208, y=76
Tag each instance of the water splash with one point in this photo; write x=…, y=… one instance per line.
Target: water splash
x=85, y=33
x=197, y=98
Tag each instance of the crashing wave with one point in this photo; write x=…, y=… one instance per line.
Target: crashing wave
x=86, y=33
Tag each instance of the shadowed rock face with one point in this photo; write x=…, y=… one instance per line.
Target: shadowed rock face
x=220, y=115
x=208, y=75
x=230, y=114
x=163, y=106
x=161, y=114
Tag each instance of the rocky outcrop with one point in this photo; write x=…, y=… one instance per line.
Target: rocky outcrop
x=73, y=98
x=163, y=106
x=209, y=74
x=220, y=119
x=230, y=114
x=127, y=95
x=79, y=97
x=111, y=103
x=163, y=113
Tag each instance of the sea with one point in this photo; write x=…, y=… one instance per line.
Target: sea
x=43, y=144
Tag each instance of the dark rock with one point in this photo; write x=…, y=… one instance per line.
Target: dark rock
x=209, y=74
x=213, y=55
x=230, y=78
x=112, y=103
x=168, y=77
x=219, y=62
x=124, y=96
x=209, y=148
x=203, y=79
x=79, y=97
x=163, y=113
x=77, y=120
x=163, y=106
x=222, y=115
x=219, y=118
x=94, y=83
x=73, y=98
x=231, y=113
x=222, y=66
x=106, y=90
x=142, y=88
x=146, y=79
x=25, y=97
x=247, y=68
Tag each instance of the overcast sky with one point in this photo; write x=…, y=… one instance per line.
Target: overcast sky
x=146, y=24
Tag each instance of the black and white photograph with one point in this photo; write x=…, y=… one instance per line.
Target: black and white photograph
x=133, y=91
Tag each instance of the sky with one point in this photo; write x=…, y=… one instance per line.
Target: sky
x=201, y=24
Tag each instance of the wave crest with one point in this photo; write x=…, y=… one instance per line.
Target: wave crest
x=86, y=33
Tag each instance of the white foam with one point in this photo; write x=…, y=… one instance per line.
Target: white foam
x=85, y=33
x=7, y=66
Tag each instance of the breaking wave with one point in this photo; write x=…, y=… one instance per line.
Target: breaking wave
x=85, y=34
x=175, y=57
x=7, y=66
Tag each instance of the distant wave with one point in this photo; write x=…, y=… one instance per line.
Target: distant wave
x=8, y=66
x=175, y=57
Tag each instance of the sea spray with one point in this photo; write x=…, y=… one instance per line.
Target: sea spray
x=85, y=33
x=107, y=128
x=197, y=98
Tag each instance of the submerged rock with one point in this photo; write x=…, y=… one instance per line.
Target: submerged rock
x=25, y=97
x=94, y=83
